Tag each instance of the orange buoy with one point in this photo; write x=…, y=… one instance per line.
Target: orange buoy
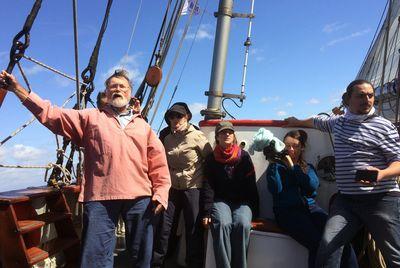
x=153, y=76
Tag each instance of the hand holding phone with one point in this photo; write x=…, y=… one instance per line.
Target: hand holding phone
x=366, y=175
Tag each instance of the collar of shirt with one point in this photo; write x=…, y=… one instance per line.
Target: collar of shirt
x=123, y=118
x=359, y=117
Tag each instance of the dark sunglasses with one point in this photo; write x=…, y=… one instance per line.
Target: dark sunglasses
x=175, y=115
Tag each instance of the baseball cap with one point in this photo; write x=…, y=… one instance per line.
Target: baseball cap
x=223, y=125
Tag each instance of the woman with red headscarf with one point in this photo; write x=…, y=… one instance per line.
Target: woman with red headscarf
x=230, y=198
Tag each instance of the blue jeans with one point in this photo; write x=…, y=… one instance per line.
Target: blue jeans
x=230, y=228
x=380, y=213
x=100, y=219
x=303, y=225
x=306, y=225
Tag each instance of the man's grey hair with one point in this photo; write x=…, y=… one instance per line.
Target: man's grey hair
x=120, y=73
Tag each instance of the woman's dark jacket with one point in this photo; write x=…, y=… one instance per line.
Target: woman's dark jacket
x=240, y=187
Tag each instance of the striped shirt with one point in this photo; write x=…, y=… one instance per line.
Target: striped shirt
x=358, y=145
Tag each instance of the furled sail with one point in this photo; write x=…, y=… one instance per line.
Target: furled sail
x=381, y=65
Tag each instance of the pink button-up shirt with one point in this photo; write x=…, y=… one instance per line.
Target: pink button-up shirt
x=120, y=163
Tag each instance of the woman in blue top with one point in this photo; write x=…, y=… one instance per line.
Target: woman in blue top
x=293, y=184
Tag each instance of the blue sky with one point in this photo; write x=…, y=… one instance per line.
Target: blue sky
x=304, y=53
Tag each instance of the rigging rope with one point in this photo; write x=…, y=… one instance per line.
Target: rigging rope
x=84, y=91
x=18, y=47
x=157, y=57
x=173, y=63
x=161, y=59
x=389, y=14
x=141, y=92
x=373, y=39
x=24, y=77
x=389, y=92
x=89, y=72
x=55, y=174
x=169, y=34
x=134, y=28
x=66, y=178
x=50, y=68
x=30, y=121
x=20, y=166
x=184, y=64
x=393, y=43
x=66, y=174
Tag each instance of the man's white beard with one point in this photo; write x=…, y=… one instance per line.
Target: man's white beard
x=119, y=102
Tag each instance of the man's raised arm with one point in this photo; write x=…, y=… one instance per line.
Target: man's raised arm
x=294, y=122
x=65, y=122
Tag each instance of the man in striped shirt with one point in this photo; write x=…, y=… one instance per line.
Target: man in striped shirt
x=363, y=141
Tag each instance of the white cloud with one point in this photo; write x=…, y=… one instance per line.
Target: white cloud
x=33, y=70
x=22, y=152
x=333, y=27
x=2, y=153
x=205, y=32
x=289, y=104
x=257, y=53
x=313, y=101
x=260, y=58
x=196, y=107
x=129, y=63
x=281, y=113
x=270, y=99
x=345, y=38
x=63, y=82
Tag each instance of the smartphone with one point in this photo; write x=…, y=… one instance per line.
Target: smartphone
x=366, y=175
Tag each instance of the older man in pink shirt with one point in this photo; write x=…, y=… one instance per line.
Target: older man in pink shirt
x=126, y=171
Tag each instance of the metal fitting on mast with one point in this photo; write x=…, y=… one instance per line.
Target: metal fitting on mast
x=216, y=93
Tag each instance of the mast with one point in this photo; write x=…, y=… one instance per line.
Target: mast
x=215, y=92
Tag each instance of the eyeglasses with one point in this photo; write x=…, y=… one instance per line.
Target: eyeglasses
x=175, y=115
